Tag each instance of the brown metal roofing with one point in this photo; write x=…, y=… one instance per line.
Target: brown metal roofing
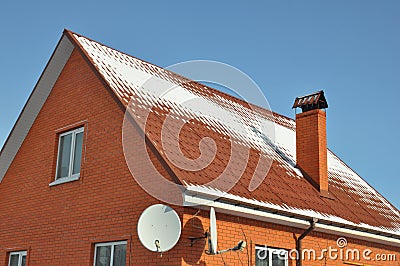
x=284, y=187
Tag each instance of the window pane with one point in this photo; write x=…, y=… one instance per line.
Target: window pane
x=77, y=153
x=261, y=257
x=278, y=260
x=23, y=260
x=64, y=155
x=119, y=255
x=14, y=260
x=103, y=256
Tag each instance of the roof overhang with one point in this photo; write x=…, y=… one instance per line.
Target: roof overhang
x=35, y=102
x=243, y=209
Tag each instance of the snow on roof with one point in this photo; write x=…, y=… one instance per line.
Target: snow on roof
x=355, y=201
x=225, y=118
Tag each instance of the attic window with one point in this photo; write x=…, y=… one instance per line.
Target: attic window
x=69, y=156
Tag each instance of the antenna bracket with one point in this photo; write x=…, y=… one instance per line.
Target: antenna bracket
x=195, y=239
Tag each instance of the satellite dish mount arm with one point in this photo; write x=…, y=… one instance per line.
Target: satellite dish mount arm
x=195, y=239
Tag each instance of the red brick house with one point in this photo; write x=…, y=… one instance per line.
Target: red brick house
x=68, y=196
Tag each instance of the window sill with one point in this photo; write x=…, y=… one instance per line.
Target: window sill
x=64, y=180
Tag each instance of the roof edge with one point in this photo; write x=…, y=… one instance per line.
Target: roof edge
x=34, y=104
x=363, y=179
x=276, y=217
x=108, y=86
x=70, y=35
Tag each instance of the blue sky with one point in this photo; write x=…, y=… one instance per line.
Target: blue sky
x=351, y=49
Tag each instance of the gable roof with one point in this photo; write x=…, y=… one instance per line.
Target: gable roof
x=355, y=203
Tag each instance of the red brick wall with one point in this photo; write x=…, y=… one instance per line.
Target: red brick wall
x=311, y=149
x=59, y=225
x=232, y=229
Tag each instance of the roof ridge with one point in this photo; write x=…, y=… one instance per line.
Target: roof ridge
x=183, y=78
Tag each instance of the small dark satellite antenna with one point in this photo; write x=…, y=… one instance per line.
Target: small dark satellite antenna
x=159, y=228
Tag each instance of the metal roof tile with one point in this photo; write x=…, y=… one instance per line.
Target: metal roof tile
x=284, y=188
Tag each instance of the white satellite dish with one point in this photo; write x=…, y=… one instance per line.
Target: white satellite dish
x=212, y=241
x=159, y=228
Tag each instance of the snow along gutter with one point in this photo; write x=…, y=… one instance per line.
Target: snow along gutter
x=243, y=209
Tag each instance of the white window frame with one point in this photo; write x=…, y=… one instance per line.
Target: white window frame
x=273, y=251
x=112, y=244
x=20, y=255
x=70, y=177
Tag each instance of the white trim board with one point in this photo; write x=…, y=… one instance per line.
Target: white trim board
x=260, y=215
x=35, y=103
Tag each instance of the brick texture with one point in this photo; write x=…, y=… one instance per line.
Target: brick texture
x=60, y=225
x=311, y=148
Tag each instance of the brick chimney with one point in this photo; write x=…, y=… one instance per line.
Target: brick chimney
x=311, y=149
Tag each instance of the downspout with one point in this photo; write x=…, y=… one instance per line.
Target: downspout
x=299, y=261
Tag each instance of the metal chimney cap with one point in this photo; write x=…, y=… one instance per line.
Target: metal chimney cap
x=312, y=101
